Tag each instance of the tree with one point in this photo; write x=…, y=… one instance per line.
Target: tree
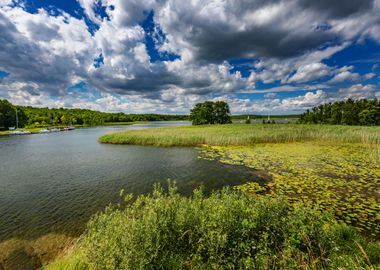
x=210, y=113
x=349, y=112
x=367, y=117
x=7, y=114
x=222, y=112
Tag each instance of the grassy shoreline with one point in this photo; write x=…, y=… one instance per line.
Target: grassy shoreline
x=38, y=129
x=243, y=135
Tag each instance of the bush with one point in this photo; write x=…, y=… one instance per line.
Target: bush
x=228, y=229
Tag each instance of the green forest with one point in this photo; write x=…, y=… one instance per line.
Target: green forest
x=365, y=112
x=41, y=117
x=350, y=112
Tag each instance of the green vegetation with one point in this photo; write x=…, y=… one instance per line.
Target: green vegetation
x=8, y=115
x=350, y=112
x=43, y=117
x=210, y=113
x=235, y=134
x=313, y=164
x=342, y=179
x=227, y=230
x=72, y=261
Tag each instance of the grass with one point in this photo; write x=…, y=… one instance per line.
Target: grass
x=227, y=230
x=242, y=134
x=75, y=260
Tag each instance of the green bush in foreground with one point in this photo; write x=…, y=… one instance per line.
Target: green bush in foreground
x=227, y=230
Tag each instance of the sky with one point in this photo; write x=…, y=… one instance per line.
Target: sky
x=164, y=56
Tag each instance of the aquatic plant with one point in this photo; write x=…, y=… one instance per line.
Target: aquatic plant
x=343, y=179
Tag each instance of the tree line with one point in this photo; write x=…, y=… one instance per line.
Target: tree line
x=364, y=112
x=42, y=117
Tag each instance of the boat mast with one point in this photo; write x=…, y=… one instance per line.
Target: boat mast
x=16, y=119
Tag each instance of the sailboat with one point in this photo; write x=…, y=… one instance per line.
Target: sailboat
x=18, y=132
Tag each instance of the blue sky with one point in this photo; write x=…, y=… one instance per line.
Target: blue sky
x=164, y=56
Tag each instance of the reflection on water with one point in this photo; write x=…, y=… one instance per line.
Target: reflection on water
x=55, y=182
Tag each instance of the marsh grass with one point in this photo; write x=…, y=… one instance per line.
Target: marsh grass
x=241, y=134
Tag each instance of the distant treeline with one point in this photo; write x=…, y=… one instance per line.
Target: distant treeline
x=39, y=117
x=350, y=112
x=257, y=116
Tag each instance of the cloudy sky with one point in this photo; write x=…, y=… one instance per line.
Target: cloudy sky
x=163, y=56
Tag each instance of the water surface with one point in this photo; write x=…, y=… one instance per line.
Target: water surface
x=55, y=182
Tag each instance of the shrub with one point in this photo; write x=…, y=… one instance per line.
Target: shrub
x=228, y=229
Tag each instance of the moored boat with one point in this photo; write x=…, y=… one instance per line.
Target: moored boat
x=19, y=132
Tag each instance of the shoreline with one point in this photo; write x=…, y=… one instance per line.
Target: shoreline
x=37, y=130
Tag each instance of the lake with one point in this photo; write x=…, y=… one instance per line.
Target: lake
x=54, y=182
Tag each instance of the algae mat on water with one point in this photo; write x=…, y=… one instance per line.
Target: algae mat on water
x=341, y=178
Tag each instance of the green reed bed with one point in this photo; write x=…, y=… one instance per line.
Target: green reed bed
x=241, y=134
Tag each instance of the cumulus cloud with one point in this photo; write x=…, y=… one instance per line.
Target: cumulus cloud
x=288, y=42
x=358, y=91
x=44, y=52
x=310, y=72
x=345, y=76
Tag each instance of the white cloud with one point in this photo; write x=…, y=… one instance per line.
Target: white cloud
x=310, y=72
x=5, y=3
x=88, y=6
x=369, y=76
x=345, y=76
x=358, y=91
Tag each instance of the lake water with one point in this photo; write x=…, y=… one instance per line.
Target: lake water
x=55, y=182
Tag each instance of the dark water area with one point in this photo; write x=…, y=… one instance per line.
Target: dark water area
x=53, y=183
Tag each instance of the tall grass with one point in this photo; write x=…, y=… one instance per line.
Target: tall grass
x=240, y=134
x=227, y=230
